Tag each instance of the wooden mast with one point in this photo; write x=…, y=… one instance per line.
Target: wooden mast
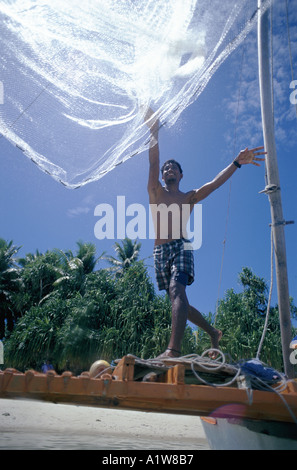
x=273, y=189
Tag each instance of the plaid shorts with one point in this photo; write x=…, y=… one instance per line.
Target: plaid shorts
x=170, y=260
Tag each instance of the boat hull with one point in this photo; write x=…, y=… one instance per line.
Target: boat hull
x=233, y=434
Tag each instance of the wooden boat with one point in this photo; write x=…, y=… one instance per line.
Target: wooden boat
x=170, y=386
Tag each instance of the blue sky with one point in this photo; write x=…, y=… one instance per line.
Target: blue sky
x=36, y=212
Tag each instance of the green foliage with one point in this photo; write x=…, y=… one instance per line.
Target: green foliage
x=59, y=308
x=241, y=317
x=127, y=253
x=33, y=338
x=88, y=315
x=38, y=274
x=9, y=285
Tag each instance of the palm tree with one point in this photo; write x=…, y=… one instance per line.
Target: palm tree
x=86, y=253
x=76, y=268
x=39, y=273
x=9, y=284
x=127, y=254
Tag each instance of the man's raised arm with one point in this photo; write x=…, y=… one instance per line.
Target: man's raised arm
x=154, y=160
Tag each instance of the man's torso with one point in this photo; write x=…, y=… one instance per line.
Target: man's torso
x=170, y=212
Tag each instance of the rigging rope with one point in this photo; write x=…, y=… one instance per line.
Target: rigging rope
x=259, y=378
x=269, y=297
x=230, y=183
x=255, y=381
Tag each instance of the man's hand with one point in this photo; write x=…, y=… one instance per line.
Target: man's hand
x=152, y=125
x=149, y=114
x=250, y=156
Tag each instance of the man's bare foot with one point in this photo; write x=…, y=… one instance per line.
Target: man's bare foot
x=170, y=352
x=215, y=338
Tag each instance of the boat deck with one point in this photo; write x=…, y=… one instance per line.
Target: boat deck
x=168, y=386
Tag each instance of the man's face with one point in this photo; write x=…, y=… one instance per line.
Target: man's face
x=171, y=173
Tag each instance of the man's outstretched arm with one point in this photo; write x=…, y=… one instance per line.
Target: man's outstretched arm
x=245, y=157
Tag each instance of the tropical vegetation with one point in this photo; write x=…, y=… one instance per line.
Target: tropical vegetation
x=65, y=307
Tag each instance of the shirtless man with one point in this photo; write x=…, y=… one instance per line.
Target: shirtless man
x=174, y=265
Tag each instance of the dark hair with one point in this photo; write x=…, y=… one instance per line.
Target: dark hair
x=171, y=161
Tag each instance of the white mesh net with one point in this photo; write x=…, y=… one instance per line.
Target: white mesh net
x=78, y=76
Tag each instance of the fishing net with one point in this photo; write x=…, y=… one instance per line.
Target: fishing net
x=78, y=76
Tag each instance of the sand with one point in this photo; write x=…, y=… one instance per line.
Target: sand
x=35, y=425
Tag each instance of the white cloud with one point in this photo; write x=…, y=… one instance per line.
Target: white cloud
x=246, y=115
x=78, y=211
x=84, y=208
